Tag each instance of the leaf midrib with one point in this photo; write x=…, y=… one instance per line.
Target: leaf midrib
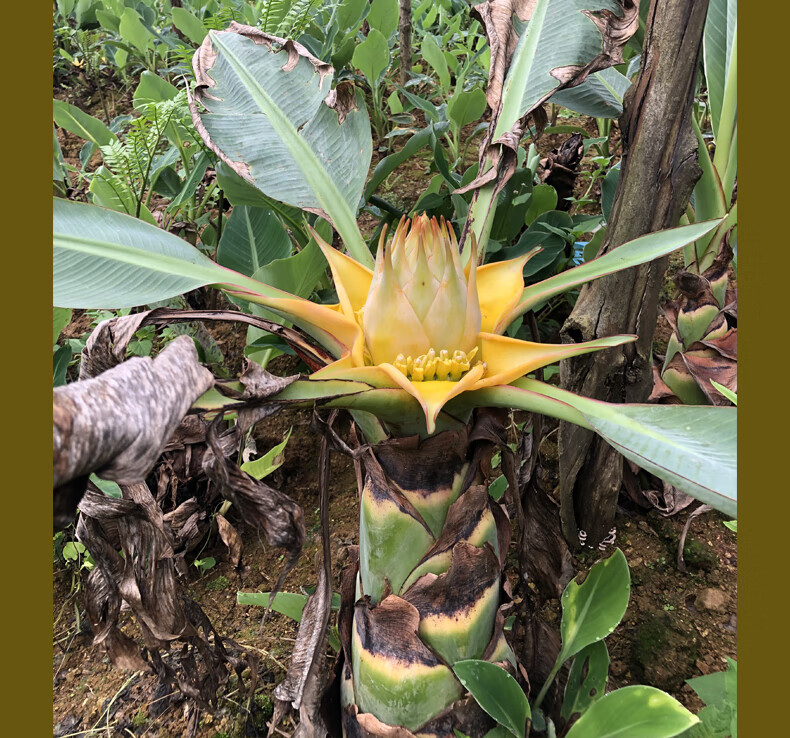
x=304, y=157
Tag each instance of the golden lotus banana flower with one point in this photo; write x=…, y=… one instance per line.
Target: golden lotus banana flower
x=422, y=322
x=420, y=301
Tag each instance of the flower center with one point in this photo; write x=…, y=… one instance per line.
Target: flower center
x=433, y=366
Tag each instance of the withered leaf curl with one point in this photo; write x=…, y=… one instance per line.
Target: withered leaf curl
x=117, y=424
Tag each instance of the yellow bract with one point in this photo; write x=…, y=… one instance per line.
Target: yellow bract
x=422, y=322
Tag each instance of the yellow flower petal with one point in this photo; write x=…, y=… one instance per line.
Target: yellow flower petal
x=390, y=324
x=375, y=376
x=507, y=359
x=433, y=395
x=352, y=279
x=499, y=287
x=333, y=330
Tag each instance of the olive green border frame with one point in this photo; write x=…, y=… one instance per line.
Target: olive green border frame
x=26, y=634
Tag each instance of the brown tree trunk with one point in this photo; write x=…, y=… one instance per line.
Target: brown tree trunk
x=404, y=30
x=658, y=173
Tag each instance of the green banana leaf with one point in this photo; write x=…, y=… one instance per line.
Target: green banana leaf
x=600, y=95
x=559, y=44
x=541, y=50
x=267, y=115
x=721, y=29
x=693, y=447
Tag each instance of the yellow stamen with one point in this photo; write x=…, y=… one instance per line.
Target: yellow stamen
x=429, y=366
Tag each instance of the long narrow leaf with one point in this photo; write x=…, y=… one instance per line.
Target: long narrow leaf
x=639, y=251
x=72, y=119
x=389, y=163
x=721, y=27
x=106, y=259
x=693, y=447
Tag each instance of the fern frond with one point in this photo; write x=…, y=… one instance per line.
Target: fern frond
x=273, y=13
x=118, y=161
x=297, y=18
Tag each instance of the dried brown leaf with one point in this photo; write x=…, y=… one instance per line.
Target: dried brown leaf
x=117, y=424
x=313, y=355
x=681, y=563
x=391, y=628
x=187, y=525
x=268, y=509
x=544, y=555
x=305, y=683
x=231, y=539
x=107, y=343
x=472, y=572
x=496, y=17
x=561, y=168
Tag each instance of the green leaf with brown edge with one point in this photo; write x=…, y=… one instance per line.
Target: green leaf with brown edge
x=396, y=676
x=469, y=592
x=498, y=693
x=542, y=62
x=587, y=680
x=638, y=710
x=271, y=122
x=392, y=537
